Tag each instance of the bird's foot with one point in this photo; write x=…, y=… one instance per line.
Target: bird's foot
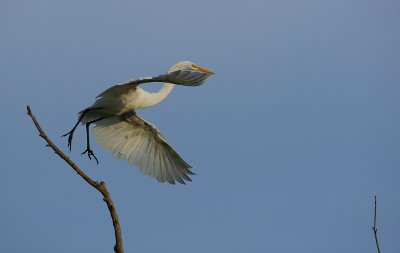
x=70, y=135
x=90, y=154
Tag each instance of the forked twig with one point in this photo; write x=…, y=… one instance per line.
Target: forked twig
x=100, y=186
x=375, y=229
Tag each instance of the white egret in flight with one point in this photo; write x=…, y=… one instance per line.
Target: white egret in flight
x=130, y=137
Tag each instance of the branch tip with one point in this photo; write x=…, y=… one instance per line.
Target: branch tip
x=28, y=109
x=375, y=229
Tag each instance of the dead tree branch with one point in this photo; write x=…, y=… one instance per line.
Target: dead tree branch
x=100, y=186
x=376, y=229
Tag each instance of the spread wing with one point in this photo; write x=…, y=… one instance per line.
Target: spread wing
x=132, y=138
x=123, y=88
x=181, y=77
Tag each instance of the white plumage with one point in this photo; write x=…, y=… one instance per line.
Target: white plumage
x=130, y=137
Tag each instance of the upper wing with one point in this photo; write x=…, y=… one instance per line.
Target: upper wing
x=181, y=77
x=187, y=77
x=123, y=88
x=132, y=138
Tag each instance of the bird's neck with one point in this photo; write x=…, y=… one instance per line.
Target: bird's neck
x=153, y=98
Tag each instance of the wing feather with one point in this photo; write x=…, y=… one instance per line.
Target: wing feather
x=136, y=156
x=177, y=173
x=185, y=77
x=170, y=171
x=125, y=87
x=132, y=138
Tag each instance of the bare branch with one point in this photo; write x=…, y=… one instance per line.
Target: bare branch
x=100, y=186
x=376, y=229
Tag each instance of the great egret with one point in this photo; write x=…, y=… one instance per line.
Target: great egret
x=129, y=136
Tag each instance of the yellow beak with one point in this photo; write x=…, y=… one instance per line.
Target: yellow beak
x=203, y=70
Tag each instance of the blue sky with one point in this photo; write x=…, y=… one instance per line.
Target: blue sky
x=291, y=139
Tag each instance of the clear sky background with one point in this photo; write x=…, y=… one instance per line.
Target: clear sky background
x=291, y=139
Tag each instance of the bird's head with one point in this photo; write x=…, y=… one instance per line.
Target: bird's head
x=188, y=74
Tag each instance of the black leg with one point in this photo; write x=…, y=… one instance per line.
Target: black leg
x=88, y=150
x=71, y=133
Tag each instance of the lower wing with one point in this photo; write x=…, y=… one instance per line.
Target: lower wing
x=132, y=138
